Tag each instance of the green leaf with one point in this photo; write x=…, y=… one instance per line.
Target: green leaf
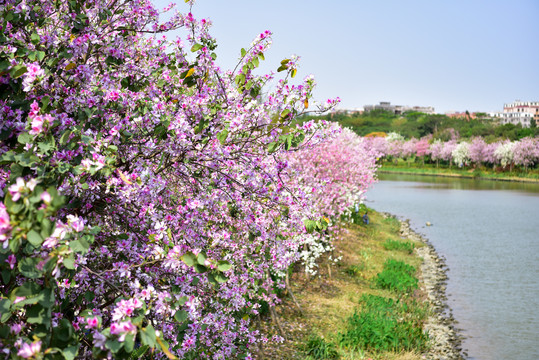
x=181, y=301
x=24, y=138
x=80, y=245
x=147, y=336
x=243, y=52
x=28, y=267
x=69, y=262
x=34, y=238
x=70, y=352
x=273, y=146
x=201, y=258
x=181, y=316
x=65, y=137
x=200, y=268
x=139, y=353
x=34, y=38
x=6, y=275
x=293, y=72
x=220, y=278
x=196, y=47
x=113, y=345
x=64, y=330
x=129, y=343
x=46, y=297
x=18, y=71
x=222, y=136
x=223, y=265
x=309, y=225
x=285, y=61
x=37, y=314
x=5, y=312
x=189, y=259
x=285, y=113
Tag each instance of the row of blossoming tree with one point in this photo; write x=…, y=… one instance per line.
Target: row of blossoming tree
x=150, y=202
x=474, y=152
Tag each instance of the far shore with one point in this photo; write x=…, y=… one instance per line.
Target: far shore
x=433, y=172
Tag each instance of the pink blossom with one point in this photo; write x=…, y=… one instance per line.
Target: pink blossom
x=29, y=350
x=16, y=189
x=76, y=222
x=46, y=197
x=5, y=225
x=18, y=299
x=122, y=329
x=92, y=322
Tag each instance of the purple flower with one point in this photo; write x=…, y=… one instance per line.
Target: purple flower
x=11, y=260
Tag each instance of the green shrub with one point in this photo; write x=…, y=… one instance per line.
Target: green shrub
x=384, y=324
x=407, y=246
x=318, y=348
x=397, y=276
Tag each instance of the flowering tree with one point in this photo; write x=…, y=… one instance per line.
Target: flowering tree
x=477, y=150
x=143, y=203
x=435, y=151
x=461, y=154
x=504, y=153
x=526, y=152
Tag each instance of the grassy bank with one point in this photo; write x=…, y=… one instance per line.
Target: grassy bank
x=443, y=170
x=368, y=305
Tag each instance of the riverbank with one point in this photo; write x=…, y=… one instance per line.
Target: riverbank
x=445, y=339
x=482, y=174
x=315, y=317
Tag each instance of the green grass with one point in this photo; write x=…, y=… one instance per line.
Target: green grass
x=385, y=324
x=397, y=276
x=398, y=245
x=317, y=348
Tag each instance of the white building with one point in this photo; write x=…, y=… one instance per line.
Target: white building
x=521, y=112
x=399, y=109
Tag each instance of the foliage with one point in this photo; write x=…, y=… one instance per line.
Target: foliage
x=398, y=276
x=416, y=124
x=148, y=202
x=384, y=324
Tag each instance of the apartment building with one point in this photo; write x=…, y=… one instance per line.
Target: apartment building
x=521, y=112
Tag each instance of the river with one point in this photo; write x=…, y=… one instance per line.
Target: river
x=488, y=231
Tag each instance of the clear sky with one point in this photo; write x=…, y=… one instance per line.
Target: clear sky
x=458, y=55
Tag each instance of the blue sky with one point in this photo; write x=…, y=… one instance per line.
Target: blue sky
x=459, y=55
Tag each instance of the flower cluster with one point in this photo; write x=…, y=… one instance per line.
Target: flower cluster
x=149, y=199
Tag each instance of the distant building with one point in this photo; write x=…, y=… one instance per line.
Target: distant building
x=398, y=109
x=461, y=115
x=521, y=112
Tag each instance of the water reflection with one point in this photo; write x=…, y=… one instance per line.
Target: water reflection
x=439, y=182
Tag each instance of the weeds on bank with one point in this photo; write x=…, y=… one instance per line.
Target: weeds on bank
x=407, y=246
x=317, y=348
x=398, y=276
x=385, y=324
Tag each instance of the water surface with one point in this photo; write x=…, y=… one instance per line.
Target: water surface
x=489, y=233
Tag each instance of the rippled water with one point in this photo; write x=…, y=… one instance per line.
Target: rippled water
x=489, y=233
